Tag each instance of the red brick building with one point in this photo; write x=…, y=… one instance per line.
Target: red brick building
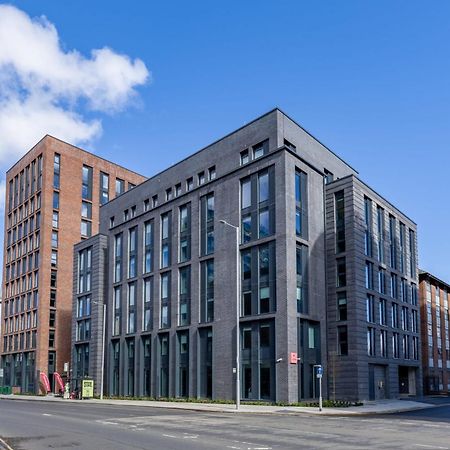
x=434, y=300
x=53, y=195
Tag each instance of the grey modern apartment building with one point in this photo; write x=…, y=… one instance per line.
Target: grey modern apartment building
x=166, y=268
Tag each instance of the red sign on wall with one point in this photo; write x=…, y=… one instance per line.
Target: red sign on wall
x=293, y=358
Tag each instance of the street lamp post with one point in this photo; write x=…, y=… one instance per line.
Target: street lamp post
x=238, y=297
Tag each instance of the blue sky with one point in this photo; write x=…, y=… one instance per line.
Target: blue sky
x=370, y=79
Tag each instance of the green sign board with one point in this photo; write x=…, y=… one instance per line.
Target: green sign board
x=87, y=388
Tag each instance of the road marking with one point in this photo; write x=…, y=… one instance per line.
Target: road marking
x=430, y=446
x=105, y=422
x=45, y=414
x=171, y=436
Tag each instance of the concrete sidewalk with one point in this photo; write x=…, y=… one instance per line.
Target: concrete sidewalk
x=380, y=407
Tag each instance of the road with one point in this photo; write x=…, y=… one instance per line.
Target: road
x=27, y=425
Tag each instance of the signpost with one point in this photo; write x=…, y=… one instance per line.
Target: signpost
x=319, y=373
x=87, y=388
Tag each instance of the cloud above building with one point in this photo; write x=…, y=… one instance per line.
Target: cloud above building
x=46, y=89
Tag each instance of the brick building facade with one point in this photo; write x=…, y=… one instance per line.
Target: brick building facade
x=53, y=195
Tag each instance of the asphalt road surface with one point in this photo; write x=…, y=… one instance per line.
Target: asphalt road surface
x=43, y=425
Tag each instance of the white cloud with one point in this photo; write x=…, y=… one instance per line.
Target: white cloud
x=45, y=89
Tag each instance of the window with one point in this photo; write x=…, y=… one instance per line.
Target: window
x=370, y=308
x=148, y=246
x=184, y=296
x=131, y=320
x=86, y=187
x=155, y=201
x=54, y=258
x=257, y=206
x=147, y=304
x=56, y=170
x=371, y=341
x=339, y=213
x=117, y=311
x=244, y=157
x=169, y=194
x=207, y=291
x=342, y=340
x=383, y=343
x=86, y=210
x=393, y=287
x=412, y=254
x=146, y=205
x=260, y=149
x=302, y=279
x=55, y=219
x=86, y=228
x=342, y=305
x=258, y=280
x=393, y=243
x=212, y=173
x=382, y=309
x=185, y=232
x=380, y=232
x=301, y=212
x=405, y=318
x=368, y=223
x=165, y=239
x=207, y=207
x=341, y=276
x=54, y=239
x=395, y=345
x=131, y=186
x=120, y=186
x=394, y=315
x=104, y=188
x=381, y=281
x=189, y=184
x=369, y=275
x=132, y=252
x=201, y=178
x=118, y=258
x=165, y=300
x=55, y=200
x=329, y=177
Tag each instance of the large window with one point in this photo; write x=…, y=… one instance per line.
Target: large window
x=368, y=223
x=117, y=311
x=207, y=224
x=147, y=298
x=166, y=225
x=148, y=246
x=132, y=252
x=258, y=280
x=131, y=319
x=207, y=291
x=257, y=206
x=339, y=213
x=185, y=233
x=120, y=186
x=118, y=258
x=84, y=270
x=302, y=279
x=104, y=188
x=184, y=296
x=380, y=232
x=56, y=170
x=86, y=190
x=165, y=300
x=301, y=210
x=392, y=242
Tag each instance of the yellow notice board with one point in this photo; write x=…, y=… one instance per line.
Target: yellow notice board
x=87, y=388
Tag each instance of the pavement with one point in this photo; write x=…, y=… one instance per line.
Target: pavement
x=368, y=408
